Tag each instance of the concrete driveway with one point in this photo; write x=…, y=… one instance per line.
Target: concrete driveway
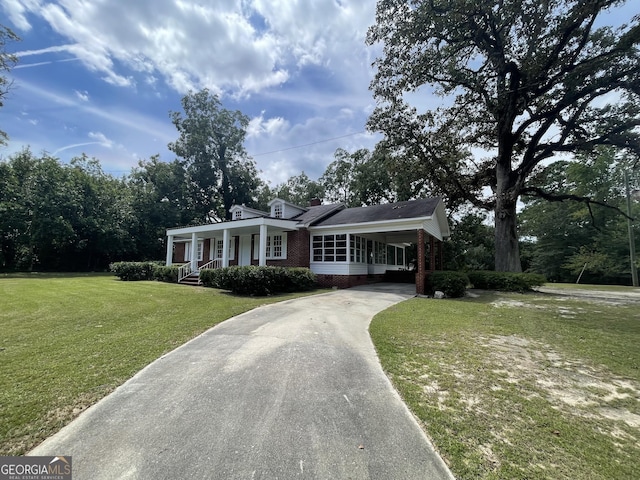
x=290, y=390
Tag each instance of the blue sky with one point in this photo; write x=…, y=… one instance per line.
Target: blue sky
x=100, y=77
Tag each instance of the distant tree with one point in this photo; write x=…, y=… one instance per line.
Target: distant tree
x=524, y=81
x=7, y=61
x=220, y=174
x=56, y=216
x=358, y=178
x=471, y=246
x=567, y=235
x=102, y=222
x=159, y=200
x=299, y=190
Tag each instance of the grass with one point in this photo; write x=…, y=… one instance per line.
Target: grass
x=512, y=386
x=69, y=340
x=600, y=288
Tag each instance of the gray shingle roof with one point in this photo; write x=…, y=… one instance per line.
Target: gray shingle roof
x=318, y=212
x=423, y=207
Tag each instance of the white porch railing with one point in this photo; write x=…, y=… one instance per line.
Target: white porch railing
x=184, y=271
x=215, y=263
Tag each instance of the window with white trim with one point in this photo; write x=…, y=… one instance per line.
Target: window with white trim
x=187, y=251
x=277, y=210
x=237, y=215
x=219, y=244
x=276, y=246
x=330, y=248
x=357, y=249
x=380, y=255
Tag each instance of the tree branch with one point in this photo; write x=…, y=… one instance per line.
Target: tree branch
x=538, y=192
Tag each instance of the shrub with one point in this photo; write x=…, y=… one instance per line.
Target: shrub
x=166, y=274
x=252, y=280
x=133, y=271
x=506, y=281
x=453, y=284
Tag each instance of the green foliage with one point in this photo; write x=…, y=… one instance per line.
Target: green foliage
x=134, y=271
x=453, y=284
x=506, y=281
x=219, y=172
x=159, y=199
x=524, y=80
x=61, y=216
x=359, y=178
x=299, y=190
x=259, y=281
x=167, y=274
x=471, y=245
x=569, y=234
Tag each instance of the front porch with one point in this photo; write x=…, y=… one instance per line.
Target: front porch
x=255, y=241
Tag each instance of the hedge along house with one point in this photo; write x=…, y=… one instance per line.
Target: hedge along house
x=343, y=246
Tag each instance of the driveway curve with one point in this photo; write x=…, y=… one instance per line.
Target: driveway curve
x=289, y=390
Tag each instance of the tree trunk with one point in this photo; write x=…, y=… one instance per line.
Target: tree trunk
x=506, y=220
x=507, y=247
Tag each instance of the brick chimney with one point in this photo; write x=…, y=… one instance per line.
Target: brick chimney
x=315, y=202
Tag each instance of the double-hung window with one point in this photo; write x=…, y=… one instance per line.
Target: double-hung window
x=357, y=249
x=276, y=247
x=187, y=251
x=219, y=248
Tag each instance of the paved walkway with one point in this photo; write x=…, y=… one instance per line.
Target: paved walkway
x=290, y=390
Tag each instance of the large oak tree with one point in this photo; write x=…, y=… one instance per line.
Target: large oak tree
x=523, y=82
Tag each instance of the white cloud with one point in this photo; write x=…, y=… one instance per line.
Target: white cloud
x=17, y=11
x=228, y=46
x=84, y=95
x=271, y=127
x=305, y=63
x=101, y=139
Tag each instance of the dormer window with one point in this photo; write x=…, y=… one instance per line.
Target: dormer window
x=237, y=215
x=277, y=210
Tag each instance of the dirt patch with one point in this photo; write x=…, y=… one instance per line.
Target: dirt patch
x=565, y=383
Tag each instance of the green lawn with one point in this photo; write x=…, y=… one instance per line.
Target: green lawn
x=601, y=288
x=513, y=386
x=68, y=340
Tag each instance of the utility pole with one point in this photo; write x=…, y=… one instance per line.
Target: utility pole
x=632, y=241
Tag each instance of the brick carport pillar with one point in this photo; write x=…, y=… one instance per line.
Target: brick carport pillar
x=420, y=276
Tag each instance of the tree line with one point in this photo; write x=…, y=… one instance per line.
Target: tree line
x=75, y=217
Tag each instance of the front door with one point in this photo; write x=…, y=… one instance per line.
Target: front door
x=244, y=254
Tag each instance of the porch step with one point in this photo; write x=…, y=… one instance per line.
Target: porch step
x=193, y=280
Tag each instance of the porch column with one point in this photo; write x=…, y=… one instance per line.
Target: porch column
x=262, y=256
x=194, y=251
x=169, y=250
x=441, y=251
x=432, y=253
x=420, y=276
x=225, y=247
